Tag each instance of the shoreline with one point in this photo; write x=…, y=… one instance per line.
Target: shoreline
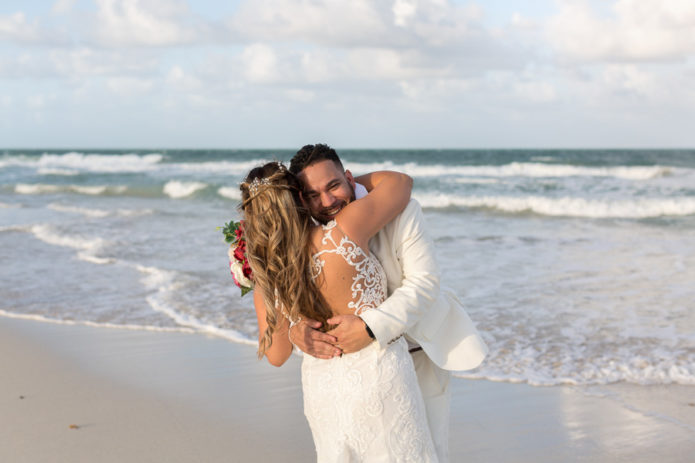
x=171, y=396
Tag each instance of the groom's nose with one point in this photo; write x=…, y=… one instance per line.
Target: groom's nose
x=327, y=199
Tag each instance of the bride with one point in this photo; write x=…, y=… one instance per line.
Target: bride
x=363, y=406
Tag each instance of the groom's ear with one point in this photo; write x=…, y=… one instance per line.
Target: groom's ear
x=350, y=178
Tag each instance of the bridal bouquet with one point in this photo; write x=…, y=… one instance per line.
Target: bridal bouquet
x=238, y=263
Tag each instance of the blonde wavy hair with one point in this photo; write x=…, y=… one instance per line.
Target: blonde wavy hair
x=277, y=229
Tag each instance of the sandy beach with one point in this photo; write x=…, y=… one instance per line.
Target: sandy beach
x=71, y=393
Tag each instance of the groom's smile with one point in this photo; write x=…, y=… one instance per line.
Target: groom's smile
x=327, y=190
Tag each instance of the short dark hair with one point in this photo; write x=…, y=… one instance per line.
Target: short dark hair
x=310, y=154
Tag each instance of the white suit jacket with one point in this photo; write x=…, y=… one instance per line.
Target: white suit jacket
x=416, y=306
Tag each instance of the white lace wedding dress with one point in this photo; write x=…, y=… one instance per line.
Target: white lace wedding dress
x=365, y=406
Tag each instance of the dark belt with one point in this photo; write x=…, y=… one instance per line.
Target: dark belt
x=415, y=349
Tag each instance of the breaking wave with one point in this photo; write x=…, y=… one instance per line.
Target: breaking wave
x=229, y=192
x=566, y=206
x=42, y=188
x=520, y=169
x=177, y=189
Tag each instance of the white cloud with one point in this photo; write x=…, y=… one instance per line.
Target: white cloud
x=358, y=23
x=320, y=65
x=63, y=6
x=177, y=77
x=429, y=94
x=388, y=64
x=324, y=22
x=23, y=66
x=639, y=30
x=260, y=64
x=597, y=62
x=629, y=78
x=128, y=86
x=300, y=95
x=535, y=91
x=403, y=11
x=322, y=41
x=36, y=101
x=87, y=62
x=143, y=23
x=654, y=89
x=15, y=27
x=522, y=22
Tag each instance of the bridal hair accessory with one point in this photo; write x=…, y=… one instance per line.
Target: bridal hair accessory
x=256, y=183
x=281, y=166
x=238, y=261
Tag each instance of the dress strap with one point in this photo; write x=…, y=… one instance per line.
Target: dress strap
x=333, y=224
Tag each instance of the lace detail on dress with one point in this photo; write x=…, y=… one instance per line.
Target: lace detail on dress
x=368, y=285
x=366, y=407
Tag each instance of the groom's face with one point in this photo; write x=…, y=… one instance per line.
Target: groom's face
x=327, y=189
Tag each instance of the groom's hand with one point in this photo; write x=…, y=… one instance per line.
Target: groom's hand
x=306, y=336
x=351, y=333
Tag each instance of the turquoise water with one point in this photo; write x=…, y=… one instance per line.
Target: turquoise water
x=576, y=265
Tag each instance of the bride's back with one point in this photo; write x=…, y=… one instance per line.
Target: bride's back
x=348, y=277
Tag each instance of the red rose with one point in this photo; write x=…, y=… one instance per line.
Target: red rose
x=239, y=253
x=246, y=268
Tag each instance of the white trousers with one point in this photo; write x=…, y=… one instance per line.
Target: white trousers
x=434, y=384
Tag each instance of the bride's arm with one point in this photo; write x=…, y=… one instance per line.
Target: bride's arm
x=365, y=180
x=390, y=193
x=281, y=348
x=370, y=180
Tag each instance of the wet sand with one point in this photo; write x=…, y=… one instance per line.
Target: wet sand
x=84, y=394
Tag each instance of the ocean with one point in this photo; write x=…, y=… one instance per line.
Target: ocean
x=577, y=266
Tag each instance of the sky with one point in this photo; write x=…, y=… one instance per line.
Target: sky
x=354, y=74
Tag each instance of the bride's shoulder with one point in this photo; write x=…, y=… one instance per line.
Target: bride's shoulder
x=319, y=232
x=329, y=226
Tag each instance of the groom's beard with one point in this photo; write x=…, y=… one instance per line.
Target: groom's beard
x=324, y=216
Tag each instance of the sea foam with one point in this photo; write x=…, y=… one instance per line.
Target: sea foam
x=58, y=321
x=98, y=213
x=87, y=247
x=192, y=322
x=566, y=206
x=229, y=192
x=100, y=162
x=164, y=282
x=218, y=167
x=177, y=189
x=539, y=367
x=42, y=188
x=54, y=171
x=519, y=169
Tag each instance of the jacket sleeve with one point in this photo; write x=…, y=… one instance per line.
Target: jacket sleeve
x=410, y=302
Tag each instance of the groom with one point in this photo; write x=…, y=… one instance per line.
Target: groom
x=440, y=335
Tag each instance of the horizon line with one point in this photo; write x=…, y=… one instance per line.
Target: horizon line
x=160, y=148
